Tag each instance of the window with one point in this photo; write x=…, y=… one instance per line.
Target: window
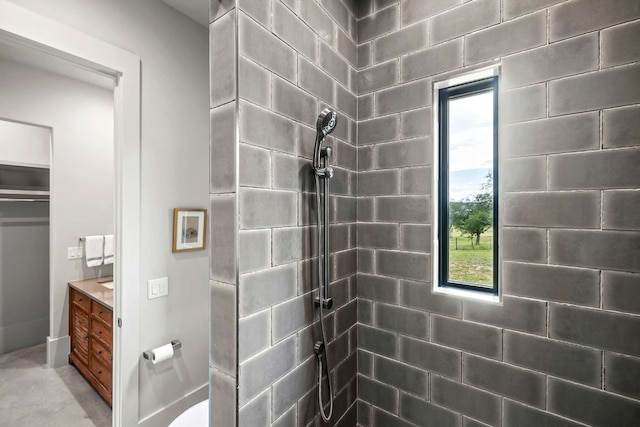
x=466, y=184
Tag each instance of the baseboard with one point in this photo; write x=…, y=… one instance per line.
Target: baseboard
x=23, y=335
x=164, y=416
x=58, y=350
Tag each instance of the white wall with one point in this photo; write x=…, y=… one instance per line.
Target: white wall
x=175, y=152
x=20, y=143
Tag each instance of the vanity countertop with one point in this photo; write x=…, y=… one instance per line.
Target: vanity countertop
x=94, y=290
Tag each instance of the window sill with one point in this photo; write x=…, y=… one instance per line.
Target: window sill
x=470, y=295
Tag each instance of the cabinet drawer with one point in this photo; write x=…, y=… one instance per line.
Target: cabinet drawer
x=101, y=312
x=80, y=300
x=102, y=333
x=101, y=372
x=101, y=353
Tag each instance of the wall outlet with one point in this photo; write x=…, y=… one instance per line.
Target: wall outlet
x=157, y=288
x=74, y=253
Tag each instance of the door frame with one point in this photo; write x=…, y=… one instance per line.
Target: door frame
x=22, y=27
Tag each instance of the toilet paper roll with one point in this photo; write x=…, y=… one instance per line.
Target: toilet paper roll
x=161, y=354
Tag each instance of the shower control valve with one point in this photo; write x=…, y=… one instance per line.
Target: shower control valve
x=325, y=172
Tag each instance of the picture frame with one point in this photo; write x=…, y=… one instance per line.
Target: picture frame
x=189, y=229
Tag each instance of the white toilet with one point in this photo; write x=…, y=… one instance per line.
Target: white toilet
x=196, y=416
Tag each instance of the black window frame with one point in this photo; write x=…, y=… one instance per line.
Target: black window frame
x=444, y=95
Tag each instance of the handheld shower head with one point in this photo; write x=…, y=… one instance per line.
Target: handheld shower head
x=327, y=122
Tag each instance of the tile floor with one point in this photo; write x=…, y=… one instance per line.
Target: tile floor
x=32, y=395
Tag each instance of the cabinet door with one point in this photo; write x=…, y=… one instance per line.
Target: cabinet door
x=80, y=334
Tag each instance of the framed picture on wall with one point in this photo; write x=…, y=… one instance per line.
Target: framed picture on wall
x=189, y=229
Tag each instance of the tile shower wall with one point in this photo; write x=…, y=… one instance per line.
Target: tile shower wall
x=564, y=348
x=295, y=58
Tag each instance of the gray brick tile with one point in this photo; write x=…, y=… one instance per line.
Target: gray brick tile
x=401, y=376
x=378, y=23
x=377, y=394
x=256, y=413
x=416, y=123
x=524, y=174
x=524, y=244
x=378, y=77
x=259, y=372
x=431, y=357
x=437, y=59
x=280, y=281
x=343, y=264
x=289, y=28
x=377, y=183
x=254, y=250
x=620, y=291
x=291, y=173
x=575, y=363
x=292, y=102
x=464, y=19
x=515, y=8
x=346, y=47
x=552, y=283
x=314, y=80
x=403, y=98
x=415, y=238
x=467, y=336
x=381, y=418
x=467, y=400
x=568, y=209
x=288, y=419
x=223, y=154
x=510, y=37
x=364, y=55
x=338, y=11
x=294, y=384
x=609, y=250
x=569, y=133
x=377, y=341
x=590, y=406
x=291, y=316
x=508, y=381
x=411, y=152
x=416, y=181
x=223, y=354
x=621, y=210
x=621, y=375
x=346, y=317
x=514, y=313
x=378, y=130
x=571, y=19
x=365, y=209
x=223, y=232
x=566, y=58
x=319, y=20
x=524, y=416
x=593, y=328
x=347, y=103
x=365, y=363
x=376, y=288
x=266, y=49
x=400, y=42
x=613, y=87
x=621, y=127
x=413, y=209
x=333, y=64
x=218, y=8
x=402, y=320
x=365, y=107
x=223, y=393
x=527, y=103
x=405, y=265
x=257, y=9
x=221, y=51
x=266, y=129
x=267, y=208
x=426, y=414
x=417, y=10
x=254, y=334
x=375, y=235
x=419, y=295
x=366, y=161
x=253, y=83
x=620, y=44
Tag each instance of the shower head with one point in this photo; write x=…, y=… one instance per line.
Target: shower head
x=327, y=122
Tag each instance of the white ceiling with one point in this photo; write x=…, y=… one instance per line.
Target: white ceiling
x=198, y=10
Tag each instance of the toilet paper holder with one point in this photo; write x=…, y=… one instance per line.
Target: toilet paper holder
x=175, y=343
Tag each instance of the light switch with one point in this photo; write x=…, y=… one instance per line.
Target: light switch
x=158, y=288
x=74, y=252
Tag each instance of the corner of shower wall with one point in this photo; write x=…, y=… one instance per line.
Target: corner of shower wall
x=223, y=234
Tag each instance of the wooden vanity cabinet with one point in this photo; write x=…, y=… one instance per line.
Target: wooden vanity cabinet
x=91, y=331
